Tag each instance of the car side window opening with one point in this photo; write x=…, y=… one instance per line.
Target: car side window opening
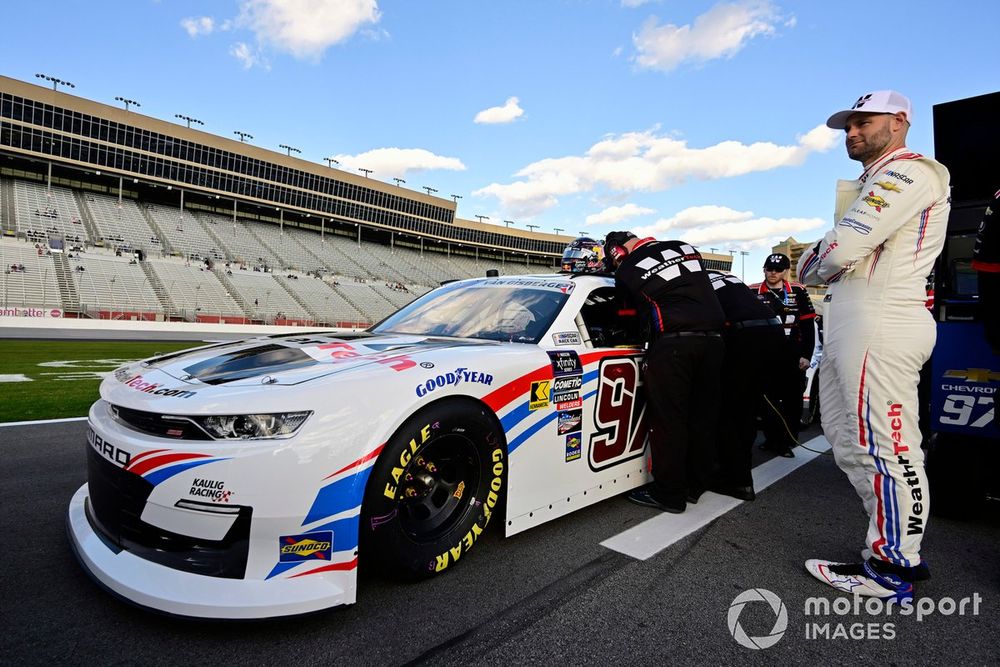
x=605, y=325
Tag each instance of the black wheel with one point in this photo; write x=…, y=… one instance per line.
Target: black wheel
x=433, y=490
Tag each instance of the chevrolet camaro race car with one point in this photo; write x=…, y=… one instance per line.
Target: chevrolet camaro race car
x=249, y=479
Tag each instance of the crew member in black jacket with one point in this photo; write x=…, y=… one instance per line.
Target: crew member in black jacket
x=786, y=381
x=755, y=343
x=682, y=321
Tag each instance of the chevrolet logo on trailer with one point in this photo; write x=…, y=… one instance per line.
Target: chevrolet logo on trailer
x=978, y=375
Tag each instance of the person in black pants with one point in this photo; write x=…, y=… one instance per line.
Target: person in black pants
x=754, y=344
x=781, y=413
x=682, y=321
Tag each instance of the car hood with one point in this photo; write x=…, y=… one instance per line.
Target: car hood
x=290, y=360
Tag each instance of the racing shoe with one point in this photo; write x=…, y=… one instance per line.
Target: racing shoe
x=647, y=497
x=861, y=579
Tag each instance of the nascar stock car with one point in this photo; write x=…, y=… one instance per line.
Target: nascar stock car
x=249, y=479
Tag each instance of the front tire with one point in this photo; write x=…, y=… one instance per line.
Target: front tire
x=434, y=489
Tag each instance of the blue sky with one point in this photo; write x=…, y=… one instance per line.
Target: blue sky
x=683, y=119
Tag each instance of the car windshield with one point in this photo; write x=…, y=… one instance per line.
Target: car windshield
x=514, y=310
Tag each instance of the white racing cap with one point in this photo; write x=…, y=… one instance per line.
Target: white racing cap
x=879, y=101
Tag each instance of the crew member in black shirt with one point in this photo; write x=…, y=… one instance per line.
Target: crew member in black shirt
x=682, y=321
x=754, y=344
x=786, y=381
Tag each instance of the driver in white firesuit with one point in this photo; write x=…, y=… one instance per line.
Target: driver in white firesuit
x=890, y=227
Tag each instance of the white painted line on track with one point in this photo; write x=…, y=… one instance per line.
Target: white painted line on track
x=41, y=422
x=654, y=535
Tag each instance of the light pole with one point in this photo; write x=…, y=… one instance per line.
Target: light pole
x=743, y=271
x=531, y=227
x=508, y=222
x=429, y=190
x=55, y=82
x=365, y=171
x=456, y=198
x=243, y=136
x=713, y=249
x=482, y=217
x=188, y=119
x=557, y=230
x=127, y=102
x=399, y=181
x=289, y=149
x=331, y=161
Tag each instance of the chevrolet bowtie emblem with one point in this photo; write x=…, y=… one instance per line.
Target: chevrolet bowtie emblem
x=983, y=375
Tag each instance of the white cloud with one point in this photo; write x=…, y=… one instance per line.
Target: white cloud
x=726, y=227
x=247, y=56
x=645, y=162
x=306, y=28
x=631, y=4
x=387, y=163
x=199, y=25
x=721, y=32
x=614, y=214
x=508, y=113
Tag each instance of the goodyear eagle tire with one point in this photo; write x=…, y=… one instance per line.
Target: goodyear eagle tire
x=433, y=490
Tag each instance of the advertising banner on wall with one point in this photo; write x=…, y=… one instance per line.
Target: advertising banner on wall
x=29, y=311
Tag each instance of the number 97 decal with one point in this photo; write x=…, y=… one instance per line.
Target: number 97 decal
x=619, y=413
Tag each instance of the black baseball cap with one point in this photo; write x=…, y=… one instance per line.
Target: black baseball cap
x=777, y=262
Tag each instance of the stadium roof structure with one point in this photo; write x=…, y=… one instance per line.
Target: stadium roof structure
x=41, y=126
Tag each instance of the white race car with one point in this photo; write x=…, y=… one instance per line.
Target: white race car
x=246, y=480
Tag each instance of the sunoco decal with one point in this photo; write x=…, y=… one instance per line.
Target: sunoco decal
x=453, y=379
x=310, y=546
x=574, y=447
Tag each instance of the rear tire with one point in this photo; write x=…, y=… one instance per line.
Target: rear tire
x=433, y=490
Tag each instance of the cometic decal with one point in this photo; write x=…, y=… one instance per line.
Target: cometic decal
x=569, y=383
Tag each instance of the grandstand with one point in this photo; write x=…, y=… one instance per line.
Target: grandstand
x=118, y=214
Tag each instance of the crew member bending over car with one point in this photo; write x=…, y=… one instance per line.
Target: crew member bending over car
x=755, y=343
x=682, y=321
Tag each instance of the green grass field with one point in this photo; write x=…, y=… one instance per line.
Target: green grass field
x=52, y=379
